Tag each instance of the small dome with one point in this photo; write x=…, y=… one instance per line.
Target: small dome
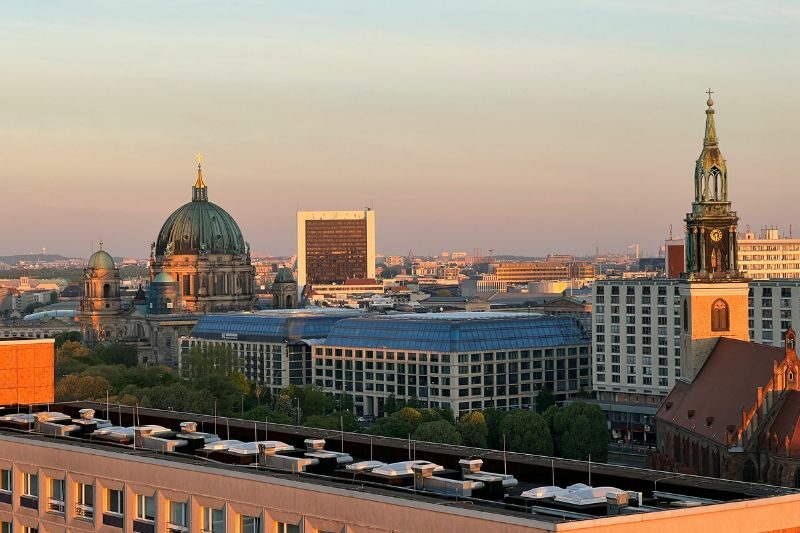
x=284, y=276
x=101, y=259
x=163, y=277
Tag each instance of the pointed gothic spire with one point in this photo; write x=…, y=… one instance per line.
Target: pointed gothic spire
x=710, y=138
x=199, y=190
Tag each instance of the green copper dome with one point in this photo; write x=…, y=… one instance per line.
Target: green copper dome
x=163, y=277
x=200, y=227
x=101, y=259
x=284, y=276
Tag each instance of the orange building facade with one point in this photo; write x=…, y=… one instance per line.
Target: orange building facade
x=27, y=373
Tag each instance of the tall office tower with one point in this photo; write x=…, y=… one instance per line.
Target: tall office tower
x=713, y=290
x=335, y=246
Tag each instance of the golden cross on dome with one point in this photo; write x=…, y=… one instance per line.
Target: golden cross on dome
x=709, y=92
x=199, y=157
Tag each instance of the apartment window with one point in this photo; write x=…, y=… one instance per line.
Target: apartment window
x=55, y=496
x=249, y=524
x=84, y=500
x=145, y=507
x=287, y=528
x=115, y=501
x=6, y=481
x=178, y=517
x=213, y=520
x=5, y=527
x=30, y=485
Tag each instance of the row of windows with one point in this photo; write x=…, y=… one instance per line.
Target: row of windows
x=113, y=506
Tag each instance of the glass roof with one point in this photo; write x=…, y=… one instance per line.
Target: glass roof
x=269, y=326
x=457, y=332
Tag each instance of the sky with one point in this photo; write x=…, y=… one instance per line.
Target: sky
x=522, y=126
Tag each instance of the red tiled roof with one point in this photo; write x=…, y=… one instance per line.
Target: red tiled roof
x=786, y=423
x=725, y=385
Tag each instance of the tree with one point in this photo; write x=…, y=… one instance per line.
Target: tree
x=334, y=421
x=400, y=424
x=526, y=432
x=580, y=429
x=199, y=362
x=438, y=431
x=544, y=400
x=65, y=336
x=473, y=430
x=494, y=417
x=74, y=387
x=71, y=348
x=117, y=354
x=391, y=405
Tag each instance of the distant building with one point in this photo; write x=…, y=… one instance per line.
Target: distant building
x=526, y=272
x=674, y=257
x=770, y=256
x=486, y=284
x=460, y=361
x=334, y=246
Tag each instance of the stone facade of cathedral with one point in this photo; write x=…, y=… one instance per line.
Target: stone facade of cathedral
x=199, y=263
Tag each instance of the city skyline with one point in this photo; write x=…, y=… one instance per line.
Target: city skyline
x=525, y=129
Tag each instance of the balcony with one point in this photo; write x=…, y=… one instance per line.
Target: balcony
x=55, y=506
x=29, y=502
x=144, y=526
x=113, y=520
x=175, y=528
x=84, y=511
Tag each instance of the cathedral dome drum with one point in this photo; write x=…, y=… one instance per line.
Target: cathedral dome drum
x=200, y=227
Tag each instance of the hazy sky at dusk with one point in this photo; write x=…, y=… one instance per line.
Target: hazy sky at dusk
x=523, y=126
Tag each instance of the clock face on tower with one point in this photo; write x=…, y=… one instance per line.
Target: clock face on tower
x=716, y=235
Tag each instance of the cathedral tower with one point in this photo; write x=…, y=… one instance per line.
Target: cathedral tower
x=713, y=292
x=100, y=303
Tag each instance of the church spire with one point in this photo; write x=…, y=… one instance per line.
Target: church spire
x=199, y=191
x=710, y=138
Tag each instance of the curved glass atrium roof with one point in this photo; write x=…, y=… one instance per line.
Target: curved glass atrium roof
x=270, y=326
x=457, y=332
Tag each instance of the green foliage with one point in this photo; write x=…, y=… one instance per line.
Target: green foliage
x=334, y=421
x=494, y=417
x=116, y=354
x=526, y=432
x=544, y=400
x=82, y=388
x=65, y=336
x=473, y=429
x=201, y=362
x=438, y=431
x=391, y=406
x=580, y=430
x=400, y=424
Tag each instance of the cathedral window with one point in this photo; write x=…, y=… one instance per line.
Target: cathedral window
x=720, y=316
x=106, y=290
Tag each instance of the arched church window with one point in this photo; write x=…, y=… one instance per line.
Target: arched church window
x=715, y=179
x=720, y=315
x=106, y=290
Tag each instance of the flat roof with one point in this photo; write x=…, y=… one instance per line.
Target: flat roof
x=531, y=471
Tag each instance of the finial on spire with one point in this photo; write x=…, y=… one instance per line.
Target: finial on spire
x=709, y=102
x=199, y=192
x=101, y=245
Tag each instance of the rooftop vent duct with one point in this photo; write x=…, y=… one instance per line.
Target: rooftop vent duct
x=86, y=414
x=188, y=427
x=314, y=444
x=616, y=502
x=470, y=466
